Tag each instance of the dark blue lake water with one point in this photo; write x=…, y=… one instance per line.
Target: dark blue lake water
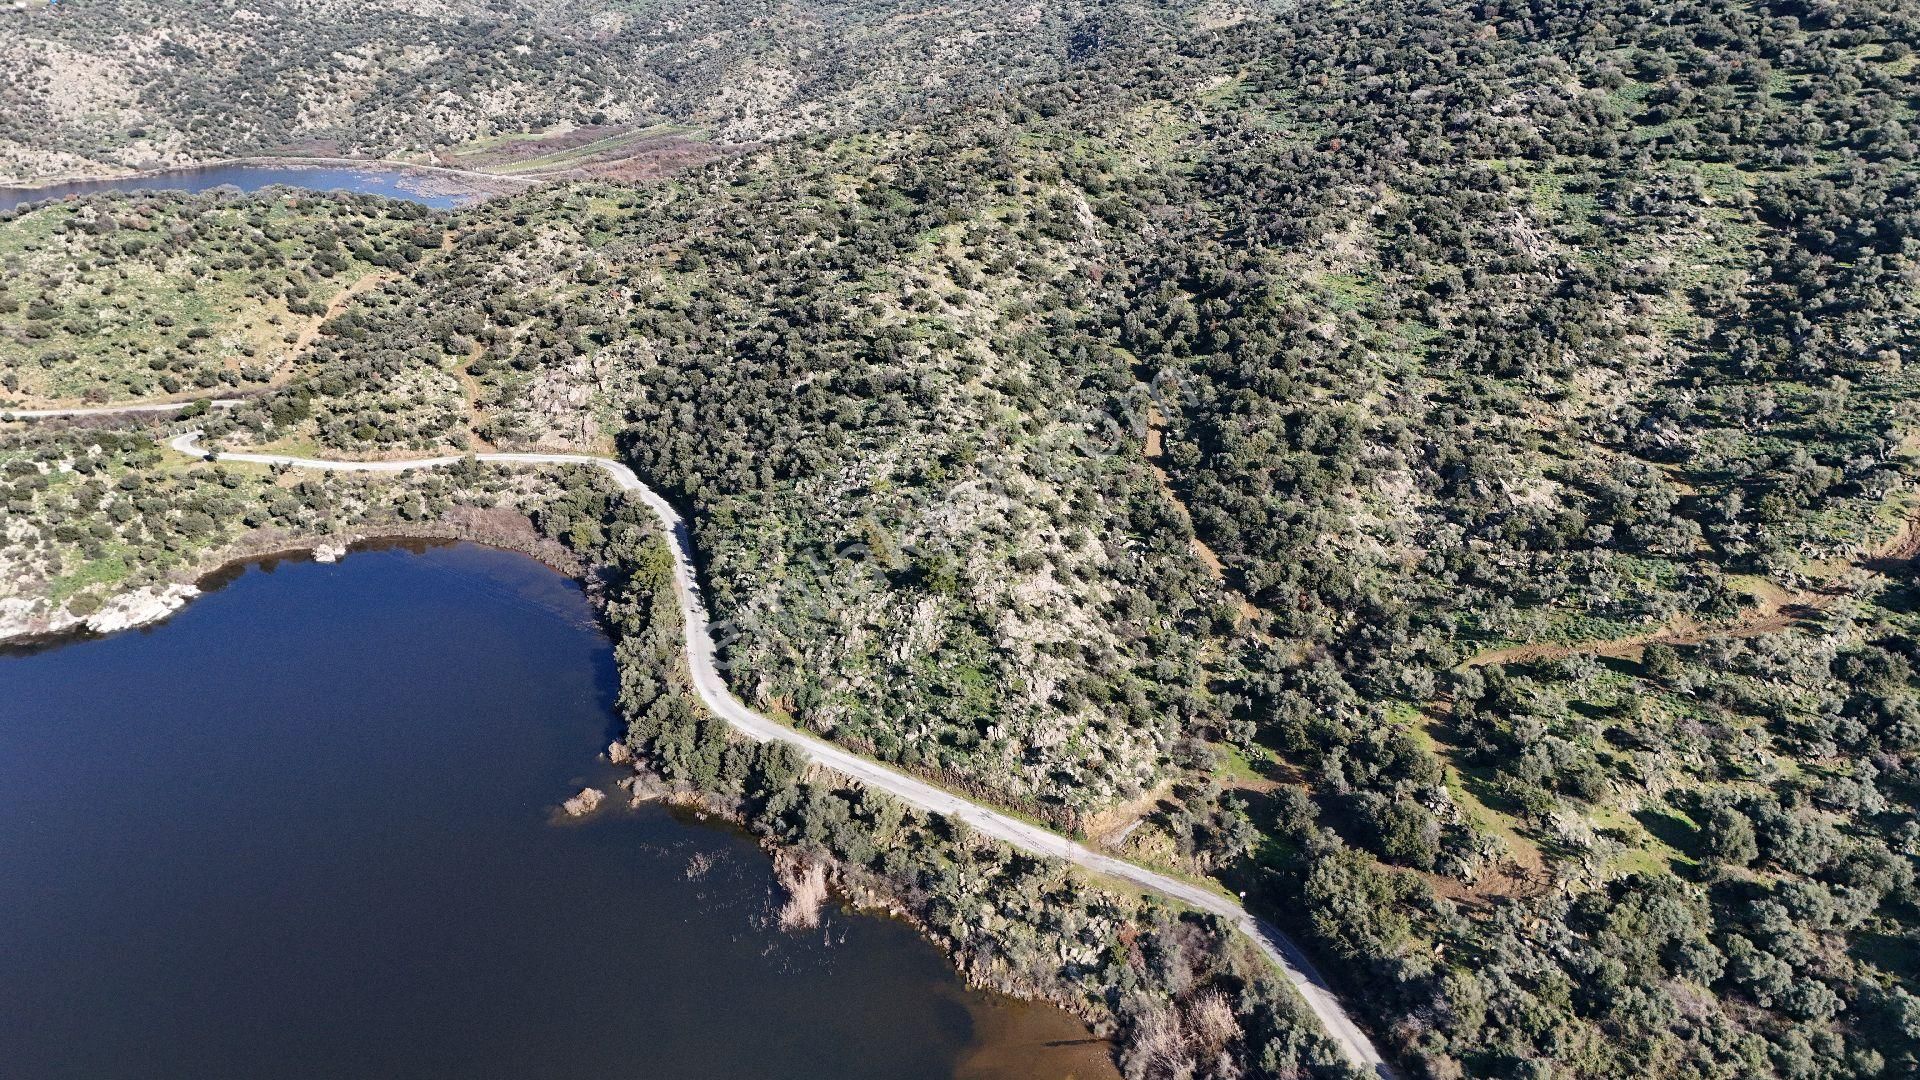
x=307, y=829
x=369, y=180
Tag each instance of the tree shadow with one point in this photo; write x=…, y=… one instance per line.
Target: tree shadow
x=1670, y=829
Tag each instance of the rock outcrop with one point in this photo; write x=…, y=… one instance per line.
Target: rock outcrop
x=584, y=803
x=140, y=607
x=24, y=617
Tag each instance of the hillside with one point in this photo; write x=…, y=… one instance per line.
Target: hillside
x=102, y=87
x=1446, y=470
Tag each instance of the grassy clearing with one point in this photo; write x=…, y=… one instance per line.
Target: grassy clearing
x=108, y=569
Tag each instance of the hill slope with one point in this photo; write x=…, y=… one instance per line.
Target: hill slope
x=99, y=86
x=1446, y=466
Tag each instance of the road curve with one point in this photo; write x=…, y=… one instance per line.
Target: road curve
x=1030, y=838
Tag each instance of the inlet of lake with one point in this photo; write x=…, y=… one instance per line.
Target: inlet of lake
x=307, y=828
x=394, y=182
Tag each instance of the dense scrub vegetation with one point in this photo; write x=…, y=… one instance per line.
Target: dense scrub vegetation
x=115, y=299
x=1467, y=326
x=1186, y=994
x=1447, y=463
x=1597, y=319
x=1003, y=601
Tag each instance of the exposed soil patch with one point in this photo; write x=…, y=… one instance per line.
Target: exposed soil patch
x=471, y=390
x=1893, y=555
x=508, y=152
x=653, y=159
x=1776, y=608
x=1156, y=451
x=1113, y=825
x=1505, y=880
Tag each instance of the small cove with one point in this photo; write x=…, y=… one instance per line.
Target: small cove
x=306, y=829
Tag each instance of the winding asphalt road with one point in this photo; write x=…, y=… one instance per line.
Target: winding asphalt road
x=1030, y=838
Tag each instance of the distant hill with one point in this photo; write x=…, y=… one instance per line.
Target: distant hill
x=101, y=84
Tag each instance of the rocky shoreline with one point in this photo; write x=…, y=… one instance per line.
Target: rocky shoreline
x=141, y=607
x=23, y=621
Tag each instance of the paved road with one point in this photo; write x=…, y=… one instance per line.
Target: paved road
x=1034, y=839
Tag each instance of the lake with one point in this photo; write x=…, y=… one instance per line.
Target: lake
x=371, y=179
x=307, y=828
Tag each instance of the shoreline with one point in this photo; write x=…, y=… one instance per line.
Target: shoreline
x=174, y=593
x=709, y=686
x=859, y=891
x=482, y=184
x=853, y=890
